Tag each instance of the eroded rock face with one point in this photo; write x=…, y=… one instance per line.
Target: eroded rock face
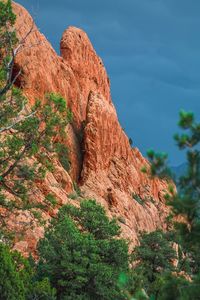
x=103, y=162
x=78, y=52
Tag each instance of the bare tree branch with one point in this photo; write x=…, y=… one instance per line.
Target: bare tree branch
x=30, y=46
x=22, y=41
x=14, y=165
x=17, y=122
x=8, y=188
x=10, y=82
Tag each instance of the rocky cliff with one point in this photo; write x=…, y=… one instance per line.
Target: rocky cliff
x=102, y=161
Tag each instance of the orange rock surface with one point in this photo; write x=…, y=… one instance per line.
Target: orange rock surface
x=102, y=160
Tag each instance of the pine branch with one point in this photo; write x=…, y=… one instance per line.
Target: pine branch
x=17, y=122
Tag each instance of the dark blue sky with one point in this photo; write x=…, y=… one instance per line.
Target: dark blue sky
x=151, y=50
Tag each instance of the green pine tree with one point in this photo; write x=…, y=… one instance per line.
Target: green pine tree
x=82, y=254
x=11, y=285
x=18, y=278
x=154, y=257
x=185, y=206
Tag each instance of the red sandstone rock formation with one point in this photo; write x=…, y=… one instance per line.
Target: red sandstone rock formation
x=103, y=162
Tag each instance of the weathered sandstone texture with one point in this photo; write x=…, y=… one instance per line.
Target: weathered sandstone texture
x=102, y=160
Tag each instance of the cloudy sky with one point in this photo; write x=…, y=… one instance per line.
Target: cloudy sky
x=151, y=50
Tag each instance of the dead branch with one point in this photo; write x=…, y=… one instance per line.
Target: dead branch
x=17, y=122
x=14, y=52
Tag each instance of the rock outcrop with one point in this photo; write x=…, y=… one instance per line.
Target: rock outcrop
x=102, y=160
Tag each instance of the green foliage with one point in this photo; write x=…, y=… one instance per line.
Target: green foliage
x=76, y=193
x=33, y=136
x=191, y=138
x=73, y=196
x=158, y=163
x=38, y=215
x=41, y=290
x=7, y=19
x=17, y=278
x=63, y=155
x=155, y=256
x=82, y=255
x=51, y=199
x=138, y=198
x=25, y=132
x=11, y=285
x=186, y=206
x=141, y=200
x=77, y=189
x=173, y=287
x=187, y=202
